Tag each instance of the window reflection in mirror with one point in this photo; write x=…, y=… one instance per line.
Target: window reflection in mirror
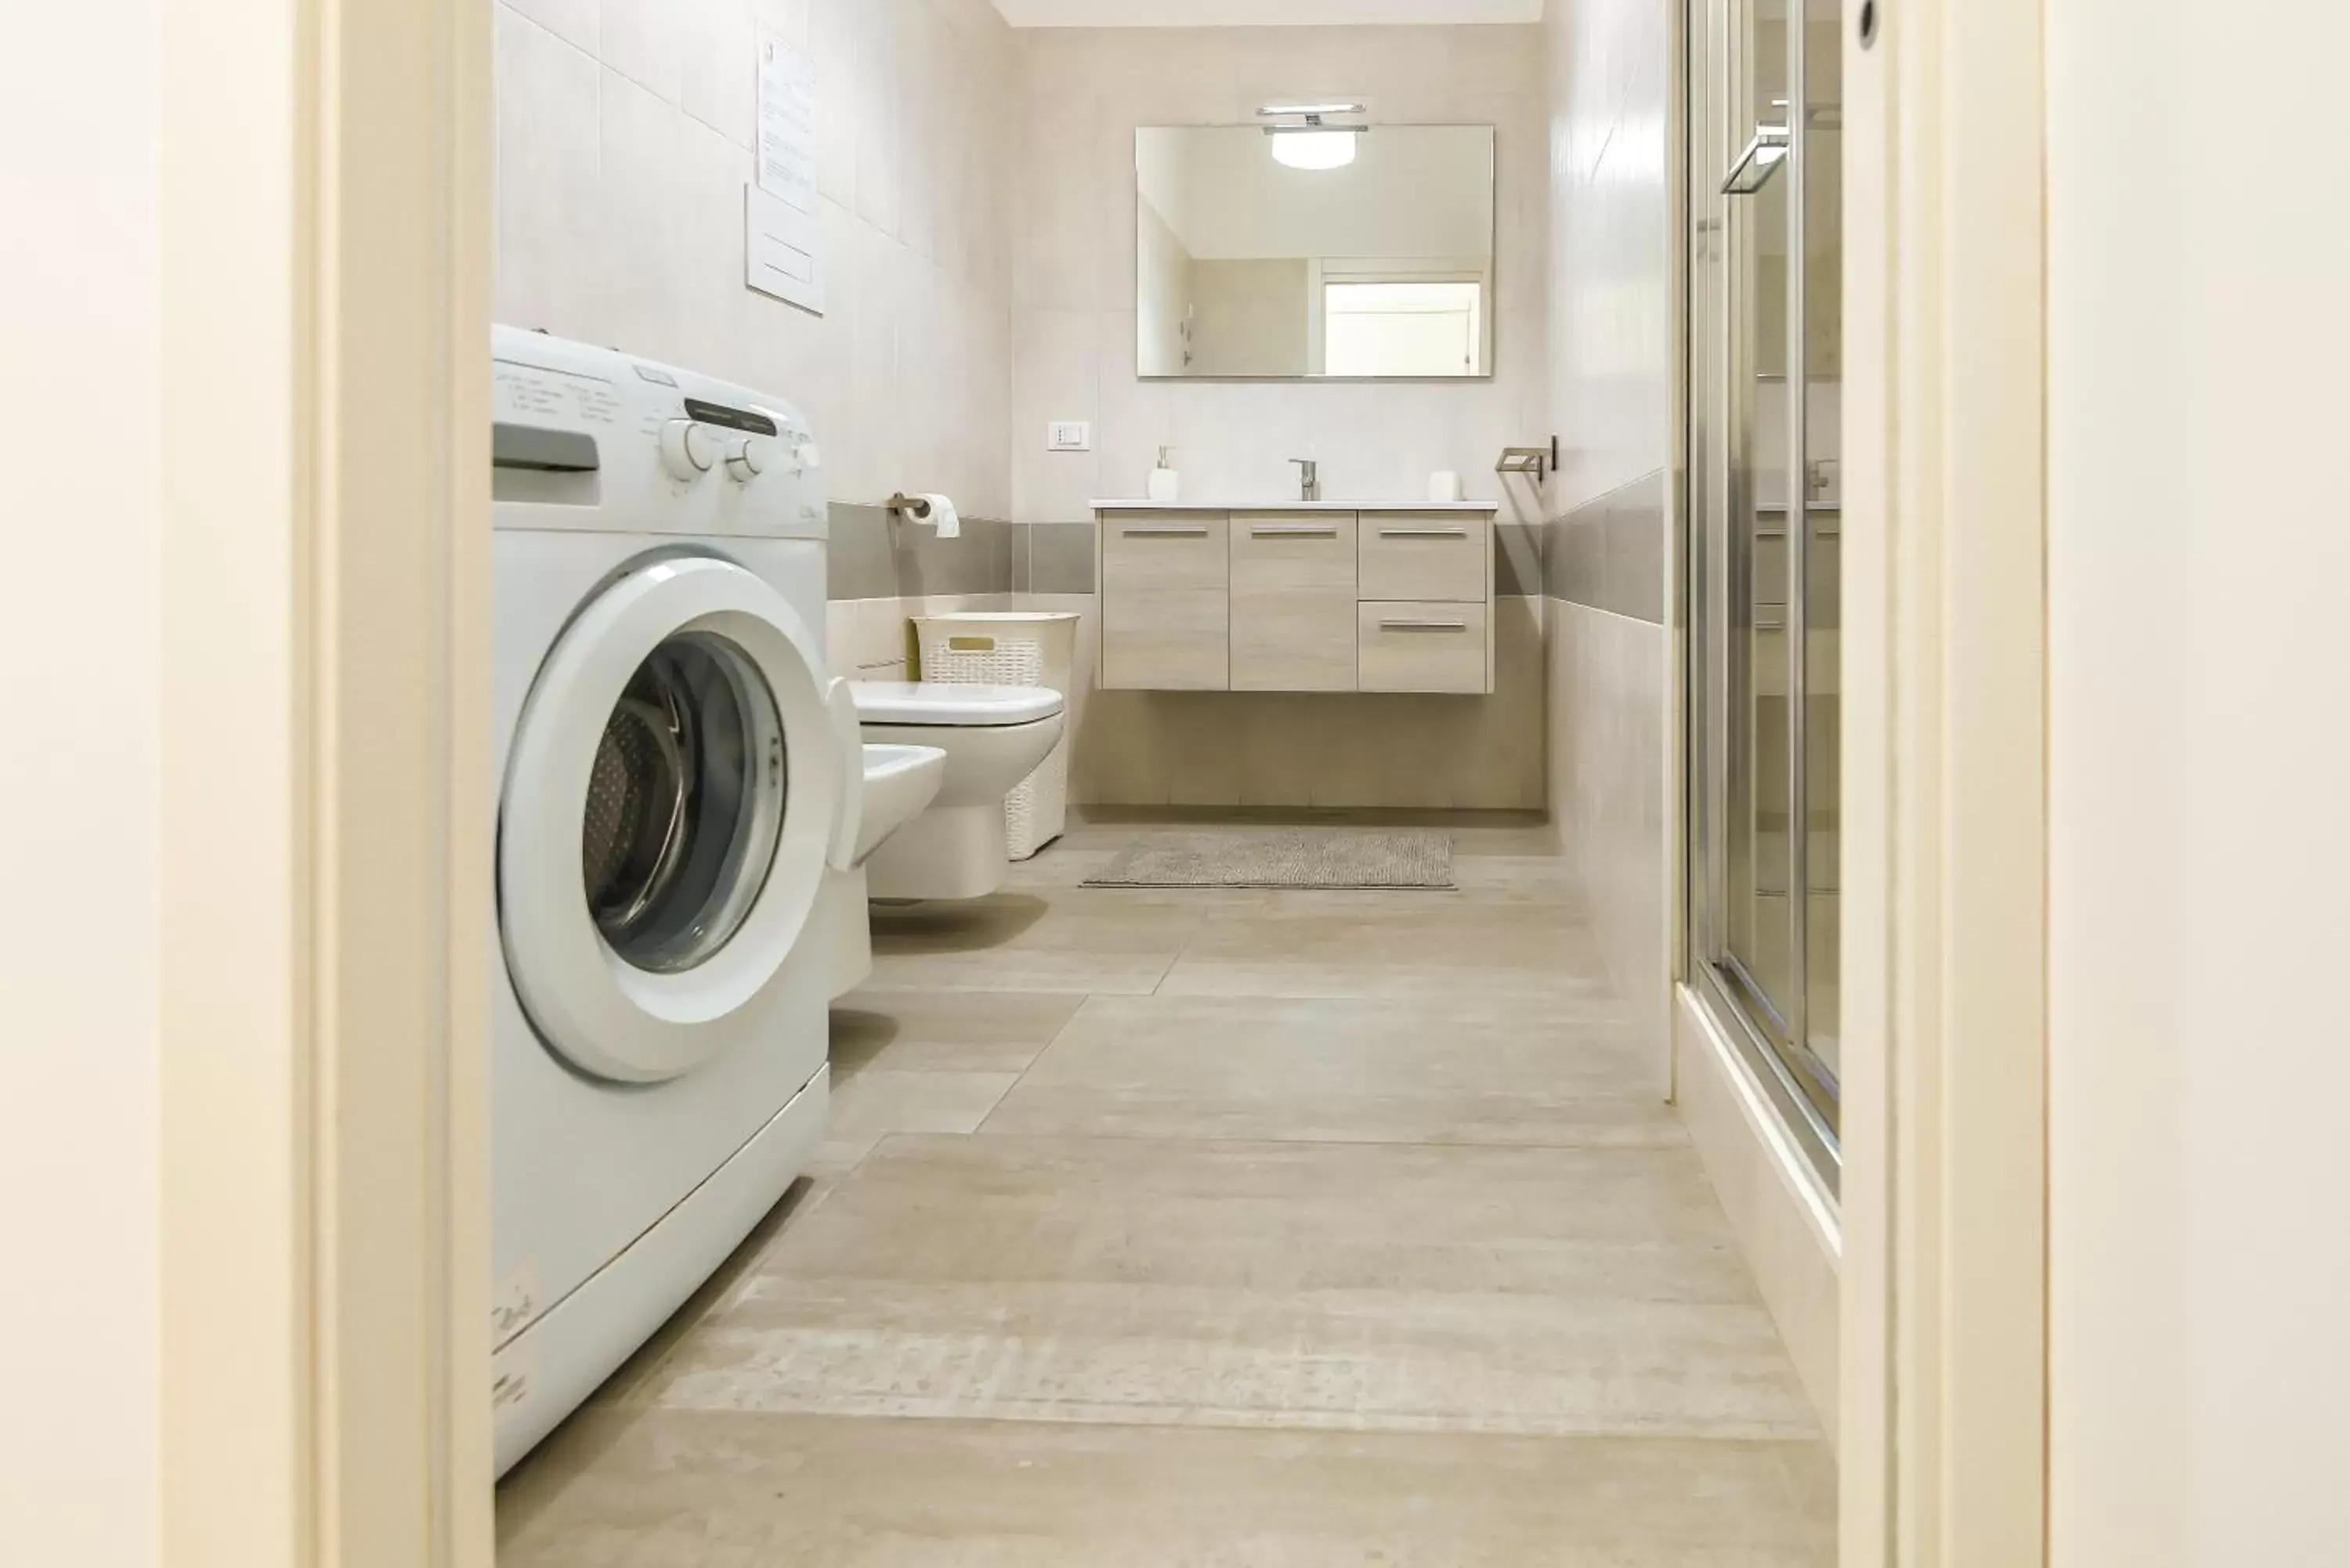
x=1247, y=266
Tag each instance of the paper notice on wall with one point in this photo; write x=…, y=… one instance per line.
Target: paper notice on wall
x=786, y=126
x=783, y=250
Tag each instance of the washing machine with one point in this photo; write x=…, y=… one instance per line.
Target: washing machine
x=674, y=783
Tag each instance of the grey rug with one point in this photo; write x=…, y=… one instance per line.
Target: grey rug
x=1285, y=857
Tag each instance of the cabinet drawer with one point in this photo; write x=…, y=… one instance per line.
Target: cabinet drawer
x=1166, y=603
x=1293, y=602
x=1419, y=555
x=1424, y=646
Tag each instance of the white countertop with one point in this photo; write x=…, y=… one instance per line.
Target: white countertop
x=1295, y=505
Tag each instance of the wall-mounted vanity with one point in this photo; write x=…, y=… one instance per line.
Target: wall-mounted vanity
x=1303, y=597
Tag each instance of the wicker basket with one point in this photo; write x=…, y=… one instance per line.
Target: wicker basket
x=1013, y=648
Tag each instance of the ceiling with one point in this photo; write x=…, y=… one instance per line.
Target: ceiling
x=1259, y=12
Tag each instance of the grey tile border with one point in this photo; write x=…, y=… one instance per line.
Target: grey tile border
x=870, y=559
x=1609, y=552
x=1061, y=556
x=1518, y=560
x=858, y=554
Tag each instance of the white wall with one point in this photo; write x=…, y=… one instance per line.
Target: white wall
x=1085, y=92
x=2200, y=1252
x=80, y=782
x=624, y=137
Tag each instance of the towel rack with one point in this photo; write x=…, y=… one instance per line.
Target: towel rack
x=1538, y=461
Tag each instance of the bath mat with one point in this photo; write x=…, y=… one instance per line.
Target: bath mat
x=1285, y=857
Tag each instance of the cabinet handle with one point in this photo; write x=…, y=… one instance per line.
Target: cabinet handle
x=1295, y=530
x=1167, y=531
x=1423, y=533
x=1416, y=625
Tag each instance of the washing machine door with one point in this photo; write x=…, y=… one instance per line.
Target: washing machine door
x=669, y=802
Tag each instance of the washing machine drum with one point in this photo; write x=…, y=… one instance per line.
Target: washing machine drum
x=668, y=808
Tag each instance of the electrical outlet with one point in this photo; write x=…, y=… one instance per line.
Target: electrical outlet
x=1069, y=435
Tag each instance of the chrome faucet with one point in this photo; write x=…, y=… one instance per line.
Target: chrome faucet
x=1309, y=479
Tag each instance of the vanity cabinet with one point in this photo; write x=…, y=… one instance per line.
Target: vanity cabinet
x=1316, y=599
x=1166, y=596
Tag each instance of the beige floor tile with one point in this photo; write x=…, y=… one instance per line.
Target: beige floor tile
x=1355, y=1287
x=1343, y=1070
x=1297, y=1229
x=1079, y=940
x=658, y=1488
x=872, y=1103
x=932, y=1032
x=1304, y=945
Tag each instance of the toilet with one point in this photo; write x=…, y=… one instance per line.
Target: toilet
x=892, y=786
x=993, y=737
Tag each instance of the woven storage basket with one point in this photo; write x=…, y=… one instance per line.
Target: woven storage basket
x=1012, y=647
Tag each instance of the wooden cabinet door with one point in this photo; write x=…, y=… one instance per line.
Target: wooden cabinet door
x=1165, y=602
x=1436, y=645
x=1294, y=599
x=1414, y=557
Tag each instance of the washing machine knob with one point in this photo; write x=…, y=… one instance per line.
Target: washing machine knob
x=687, y=449
x=750, y=458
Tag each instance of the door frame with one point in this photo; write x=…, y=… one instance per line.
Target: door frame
x=1944, y=1305
x=325, y=899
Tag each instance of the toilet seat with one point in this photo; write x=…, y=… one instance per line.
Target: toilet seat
x=936, y=705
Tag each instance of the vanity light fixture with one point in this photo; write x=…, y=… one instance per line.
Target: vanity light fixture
x=1302, y=138
x=1306, y=110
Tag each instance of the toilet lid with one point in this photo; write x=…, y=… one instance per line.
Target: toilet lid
x=938, y=705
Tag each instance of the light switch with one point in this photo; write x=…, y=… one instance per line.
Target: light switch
x=1069, y=435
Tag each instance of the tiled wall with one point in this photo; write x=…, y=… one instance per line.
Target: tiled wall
x=977, y=191
x=1085, y=91
x=1074, y=279
x=1607, y=549
x=623, y=146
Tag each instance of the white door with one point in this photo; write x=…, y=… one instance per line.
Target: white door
x=672, y=793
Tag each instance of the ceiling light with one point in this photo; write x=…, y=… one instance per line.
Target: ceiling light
x=1314, y=149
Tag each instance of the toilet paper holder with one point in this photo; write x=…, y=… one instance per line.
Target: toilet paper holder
x=912, y=508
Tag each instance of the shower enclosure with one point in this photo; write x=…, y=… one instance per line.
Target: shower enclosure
x=1765, y=541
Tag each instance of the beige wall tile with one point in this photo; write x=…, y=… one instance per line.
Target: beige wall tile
x=1609, y=702
x=620, y=214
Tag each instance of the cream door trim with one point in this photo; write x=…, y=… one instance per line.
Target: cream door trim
x=1944, y=1385
x=325, y=824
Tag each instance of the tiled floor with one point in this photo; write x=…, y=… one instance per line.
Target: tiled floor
x=1218, y=1228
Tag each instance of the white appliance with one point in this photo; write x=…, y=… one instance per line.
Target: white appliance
x=676, y=780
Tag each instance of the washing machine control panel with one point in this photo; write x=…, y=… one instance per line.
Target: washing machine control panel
x=629, y=445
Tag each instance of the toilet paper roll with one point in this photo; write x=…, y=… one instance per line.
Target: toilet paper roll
x=942, y=516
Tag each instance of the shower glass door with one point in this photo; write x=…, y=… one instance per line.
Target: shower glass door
x=1765, y=309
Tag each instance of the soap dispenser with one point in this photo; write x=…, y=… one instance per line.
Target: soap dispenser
x=1163, y=486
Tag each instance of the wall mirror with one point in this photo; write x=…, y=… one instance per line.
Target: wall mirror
x=1294, y=249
